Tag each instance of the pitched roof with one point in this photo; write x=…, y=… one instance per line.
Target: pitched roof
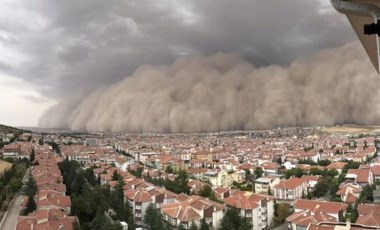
x=362, y=174
x=291, y=183
x=328, y=207
x=304, y=218
x=369, y=214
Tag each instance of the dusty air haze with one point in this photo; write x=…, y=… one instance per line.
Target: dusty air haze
x=226, y=92
x=181, y=66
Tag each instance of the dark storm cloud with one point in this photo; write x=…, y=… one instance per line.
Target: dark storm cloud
x=225, y=92
x=64, y=47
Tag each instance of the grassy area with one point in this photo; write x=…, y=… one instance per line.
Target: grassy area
x=352, y=129
x=4, y=165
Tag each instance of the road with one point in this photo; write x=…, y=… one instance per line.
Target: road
x=13, y=213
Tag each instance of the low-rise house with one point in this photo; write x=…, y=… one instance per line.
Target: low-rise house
x=219, y=178
x=363, y=176
x=11, y=151
x=270, y=168
x=376, y=172
x=265, y=184
x=221, y=192
x=257, y=209
x=311, y=181
x=46, y=219
x=192, y=210
x=312, y=212
x=349, y=193
x=369, y=215
x=197, y=173
x=291, y=189
x=338, y=166
x=141, y=198
x=53, y=200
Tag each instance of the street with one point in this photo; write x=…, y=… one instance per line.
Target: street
x=13, y=213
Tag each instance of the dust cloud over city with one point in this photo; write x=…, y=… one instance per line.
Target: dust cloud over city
x=226, y=92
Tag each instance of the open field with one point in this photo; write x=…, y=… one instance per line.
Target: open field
x=4, y=166
x=352, y=129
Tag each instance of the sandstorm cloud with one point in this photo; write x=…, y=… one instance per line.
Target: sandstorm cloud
x=226, y=92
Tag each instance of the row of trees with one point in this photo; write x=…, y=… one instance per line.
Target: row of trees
x=30, y=192
x=179, y=185
x=96, y=206
x=11, y=181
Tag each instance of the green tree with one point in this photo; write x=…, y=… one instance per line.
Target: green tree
x=32, y=155
x=204, y=225
x=248, y=175
x=15, y=184
x=31, y=187
x=101, y=222
x=205, y=191
x=366, y=195
x=116, y=176
x=169, y=169
x=297, y=172
x=30, y=206
x=281, y=212
x=233, y=221
x=324, y=162
x=153, y=218
x=258, y=172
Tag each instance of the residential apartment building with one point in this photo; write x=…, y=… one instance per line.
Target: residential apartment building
x=265, y=184
x=313, y=212
x=291, y=189
x=257, y=209
x=192, y=209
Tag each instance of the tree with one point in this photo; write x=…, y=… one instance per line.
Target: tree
x=169, y=169
x=324, y=162
x=101, y=221
x=351, y=213
x=153, y=218
x=233, y=221
x=31, y=187
x=32, y=155
x=248, y=175
x=15, y=184
x=281, y=212
x=204, y=225
x=41, y=141
x=297, y=172
x=30, y=206
x=258, y=172
x=193, y=226
x=366, y=195
x=205, y=191
x=115, y=175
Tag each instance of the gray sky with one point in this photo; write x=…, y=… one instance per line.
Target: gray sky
x=50, y=50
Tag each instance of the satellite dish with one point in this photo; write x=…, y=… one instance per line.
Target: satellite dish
x=364, y=16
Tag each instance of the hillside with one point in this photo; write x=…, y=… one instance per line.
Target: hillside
x=9, y=129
